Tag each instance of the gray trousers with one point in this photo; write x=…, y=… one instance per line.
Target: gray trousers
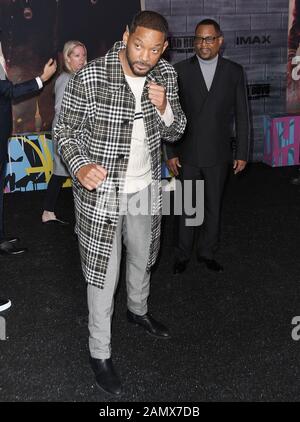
x=136, y=233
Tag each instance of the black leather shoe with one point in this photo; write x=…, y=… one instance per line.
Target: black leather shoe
x=8, y=248
x=106, y=377
x=211, y=264
x=179, y=267
x=152, y=327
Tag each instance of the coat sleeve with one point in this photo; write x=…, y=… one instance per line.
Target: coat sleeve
x=13, y=91
x=242, y=120
x=72, y=128
x=175, y=131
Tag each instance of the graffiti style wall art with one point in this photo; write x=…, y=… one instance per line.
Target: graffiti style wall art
x=282, y=136
x=30, y=162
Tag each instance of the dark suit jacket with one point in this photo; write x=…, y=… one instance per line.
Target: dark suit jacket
x=9, y=91
x=207, y=138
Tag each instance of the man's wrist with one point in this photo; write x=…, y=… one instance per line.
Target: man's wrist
x=167, y=116
x=162, y=109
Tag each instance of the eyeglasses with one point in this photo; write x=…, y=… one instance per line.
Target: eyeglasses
x=208, y=40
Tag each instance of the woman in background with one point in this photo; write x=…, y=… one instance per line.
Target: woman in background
x=74, y=58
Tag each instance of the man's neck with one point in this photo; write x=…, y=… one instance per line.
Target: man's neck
x=209, y=61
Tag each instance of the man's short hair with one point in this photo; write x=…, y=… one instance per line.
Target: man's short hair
x=151, y=20
x=210, y=22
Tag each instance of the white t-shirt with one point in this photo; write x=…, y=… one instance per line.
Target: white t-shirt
x=138, y=174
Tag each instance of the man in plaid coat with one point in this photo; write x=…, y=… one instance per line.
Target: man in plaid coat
x=114, y=114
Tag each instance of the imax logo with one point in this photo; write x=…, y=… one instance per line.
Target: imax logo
x=252, y=40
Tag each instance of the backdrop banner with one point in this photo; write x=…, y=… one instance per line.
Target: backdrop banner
x=35, y=30
x=293, y=67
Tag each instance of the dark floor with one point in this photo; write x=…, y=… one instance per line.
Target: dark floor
x=231, y=332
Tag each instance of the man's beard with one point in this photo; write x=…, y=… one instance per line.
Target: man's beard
x=137, y=73
x=206, y=54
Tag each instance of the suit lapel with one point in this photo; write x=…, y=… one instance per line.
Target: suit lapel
x=200, y=82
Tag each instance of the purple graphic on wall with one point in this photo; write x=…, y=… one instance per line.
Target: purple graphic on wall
x=281, y=140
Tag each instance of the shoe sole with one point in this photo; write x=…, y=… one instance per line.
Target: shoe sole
x=12, y=253
x=6, y=306
x=19, y=252
x=109, y=392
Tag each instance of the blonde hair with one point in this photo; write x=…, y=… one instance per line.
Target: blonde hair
x=68, y=50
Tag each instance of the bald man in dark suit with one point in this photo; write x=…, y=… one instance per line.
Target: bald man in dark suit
x=212, y=94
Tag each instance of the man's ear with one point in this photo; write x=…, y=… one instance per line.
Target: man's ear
x=221, y=40
x=126, y=35
x=166, y=43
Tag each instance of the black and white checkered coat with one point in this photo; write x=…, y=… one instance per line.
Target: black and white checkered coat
x=95, y=126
